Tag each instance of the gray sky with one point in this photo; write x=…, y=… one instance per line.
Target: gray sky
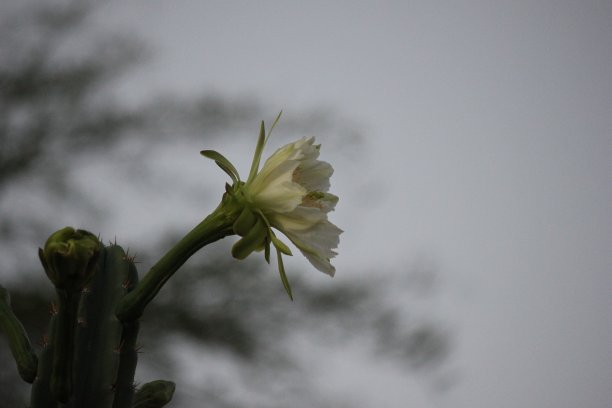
x=488, y=138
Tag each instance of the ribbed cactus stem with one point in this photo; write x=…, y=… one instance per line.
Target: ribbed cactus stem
x=128, y=354
x=70, y=259
x=98, y=340
x=214, y=227
x=128, y=359
x=19, y=342
x=61, y=375
x=41, y=391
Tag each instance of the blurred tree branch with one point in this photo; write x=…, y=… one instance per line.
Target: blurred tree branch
x=54, y=108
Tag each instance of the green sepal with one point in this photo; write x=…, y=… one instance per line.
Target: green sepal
x=245, y=221
x=274, y=124
x=251, y=241
x=261, y=142
x=280, y=245
x=222, y=162
x=267, y=251
x=283, y=275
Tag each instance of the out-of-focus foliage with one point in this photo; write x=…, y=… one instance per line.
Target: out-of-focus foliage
x=58, y=101
x=56, y=104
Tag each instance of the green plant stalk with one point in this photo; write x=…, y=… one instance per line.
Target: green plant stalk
x=19, y=342
x=128, y=354
x=98, y=338
x=128, y=359
x=214, y=227
x=61, y=375
x=41, y=396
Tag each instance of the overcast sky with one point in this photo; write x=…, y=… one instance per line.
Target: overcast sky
x=487, y=147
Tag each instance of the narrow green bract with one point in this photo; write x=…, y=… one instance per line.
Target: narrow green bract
x=19, y=342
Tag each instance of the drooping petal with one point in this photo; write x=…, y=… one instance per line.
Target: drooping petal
x=322, y=264
x=321, y=238
x=317, y=244
x=314, y=175
x=301, y=218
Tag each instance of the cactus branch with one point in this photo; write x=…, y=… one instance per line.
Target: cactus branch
x=18, y=339
x=128, y=353
x=99, y=336
x=41, y=391
x=61, y=376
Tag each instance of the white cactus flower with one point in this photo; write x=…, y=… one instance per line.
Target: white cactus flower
x=289, y=194
x=291, y=191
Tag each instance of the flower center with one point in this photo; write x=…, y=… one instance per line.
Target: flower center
x=313, y=199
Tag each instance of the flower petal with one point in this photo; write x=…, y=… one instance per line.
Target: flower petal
x=313, y=175
x=301, y=218
x=316, y=243
x=326, y=202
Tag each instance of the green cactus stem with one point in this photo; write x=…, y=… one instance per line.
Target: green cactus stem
x=61, y=375
x=214, y=227
x=99, y=333
x=19, y=342
x=128, y=354
x=70, y=260
x=41, y=396
x=154, y=394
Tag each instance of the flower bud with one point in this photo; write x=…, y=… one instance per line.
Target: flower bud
x=70, y=258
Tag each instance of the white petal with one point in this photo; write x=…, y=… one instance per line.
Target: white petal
x=280, y=198
x=275, y=190
x=316, y=244
x=301, y=218
x=313, y=175
x=326, y=202
x=291, y=151
x=322, y=264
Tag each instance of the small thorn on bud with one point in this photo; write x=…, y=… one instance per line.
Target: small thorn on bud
x=44, y=341
x=53, y=310
x=119, y=348
x=130, y=258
